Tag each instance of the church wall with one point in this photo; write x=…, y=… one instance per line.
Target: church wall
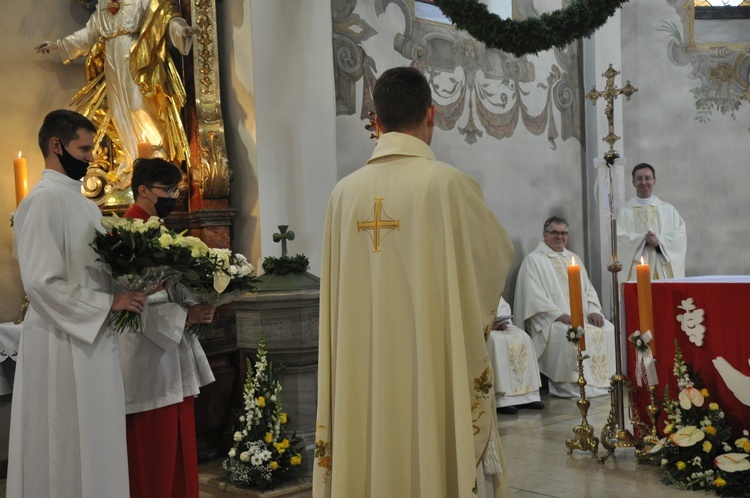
x=701, y=167
x=30, y=86
x=525, y=177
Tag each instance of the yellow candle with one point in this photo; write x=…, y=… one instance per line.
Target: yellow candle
x=576, y=300
x=144, y=150
x=645, y=308
x=22, y=181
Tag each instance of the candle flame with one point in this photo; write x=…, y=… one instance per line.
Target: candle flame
x=642, y=261
x=572, y=260
x=19, y=154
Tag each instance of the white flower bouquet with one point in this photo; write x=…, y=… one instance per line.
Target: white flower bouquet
x=135, y=255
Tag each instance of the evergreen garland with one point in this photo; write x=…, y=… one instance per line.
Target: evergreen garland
x=533, y=35
x=286, y=264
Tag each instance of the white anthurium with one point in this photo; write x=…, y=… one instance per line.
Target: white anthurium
x=688, y=436
x=690, y=397
x=733, y=462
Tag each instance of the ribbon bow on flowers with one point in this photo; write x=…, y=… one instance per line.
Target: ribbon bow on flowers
x=645, y=364
x=134, y=254
x=215, y=277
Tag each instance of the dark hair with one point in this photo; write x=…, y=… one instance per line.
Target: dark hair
x=643, y=166
x=402, y=97
x=63, y=124
x=150, y=171
x=554, y=219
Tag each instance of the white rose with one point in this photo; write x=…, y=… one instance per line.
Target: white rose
x=245, y=456
x=166, y=240
x=238, y=436
x=232, y=453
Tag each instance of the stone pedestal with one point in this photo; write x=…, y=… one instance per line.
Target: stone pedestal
x=289, y=320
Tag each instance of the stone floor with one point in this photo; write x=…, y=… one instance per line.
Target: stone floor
x=539, y=464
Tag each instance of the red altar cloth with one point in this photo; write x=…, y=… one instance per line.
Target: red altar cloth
x=726, y=301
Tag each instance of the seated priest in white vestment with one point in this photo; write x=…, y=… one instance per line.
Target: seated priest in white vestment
x=651, y=229
x=543, y=308
x=514, y=364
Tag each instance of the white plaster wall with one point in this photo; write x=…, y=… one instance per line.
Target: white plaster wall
x=701, y=168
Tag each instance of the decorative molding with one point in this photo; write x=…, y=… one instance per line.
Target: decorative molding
x=723, y=69
x=469, y=81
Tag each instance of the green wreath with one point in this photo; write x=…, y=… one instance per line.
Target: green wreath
x=530, y=36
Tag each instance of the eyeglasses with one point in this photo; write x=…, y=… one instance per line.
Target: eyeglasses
x=555, y=233
x=170, y=191
x=643, y=179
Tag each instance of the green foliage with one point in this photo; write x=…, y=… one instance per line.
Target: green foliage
x=286, y=264
x=530, y=36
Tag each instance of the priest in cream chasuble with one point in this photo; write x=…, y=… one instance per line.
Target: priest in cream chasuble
x=414, y=263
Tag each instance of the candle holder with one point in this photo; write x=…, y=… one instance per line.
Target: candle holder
x=654, y=410
x=584, y=438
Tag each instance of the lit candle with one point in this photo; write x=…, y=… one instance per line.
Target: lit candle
x=22, y=181
x=144, y=150
x=576, y=301
x=645, y=308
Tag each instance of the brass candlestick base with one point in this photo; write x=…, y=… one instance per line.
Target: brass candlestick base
x=614, y=434
x=584, y=438
x=653, y=409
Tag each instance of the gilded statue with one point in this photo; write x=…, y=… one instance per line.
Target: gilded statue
x=133, y=93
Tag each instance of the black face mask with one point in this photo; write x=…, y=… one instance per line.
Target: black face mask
x=74, y=168
x=164, y=206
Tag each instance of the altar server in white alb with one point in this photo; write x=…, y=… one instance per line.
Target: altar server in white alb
x=67, y=436
x=513, y=360
x=652, y=229
x=543, y=308
x=414, y=263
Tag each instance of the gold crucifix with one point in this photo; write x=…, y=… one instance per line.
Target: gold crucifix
x=377, y=224
x=609, y=94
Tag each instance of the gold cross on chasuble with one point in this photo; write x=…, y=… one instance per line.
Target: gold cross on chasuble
x=380, y=221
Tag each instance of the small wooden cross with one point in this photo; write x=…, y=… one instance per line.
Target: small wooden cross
x=377, y=224
x=609, y=94
x=283, y=236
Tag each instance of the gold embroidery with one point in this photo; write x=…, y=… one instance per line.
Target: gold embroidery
x=380, y=221
x=519, y=364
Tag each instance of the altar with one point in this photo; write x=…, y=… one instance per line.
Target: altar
x=707, y=317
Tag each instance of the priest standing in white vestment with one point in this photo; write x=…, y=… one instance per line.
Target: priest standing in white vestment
x=514, y=364
x=405, y=398
x=67, y=436
x=652, y=229
x=543, y=308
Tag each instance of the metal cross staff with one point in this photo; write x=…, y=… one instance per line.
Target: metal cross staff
x=614, y=434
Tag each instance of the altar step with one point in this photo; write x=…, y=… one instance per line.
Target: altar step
x=212, y=484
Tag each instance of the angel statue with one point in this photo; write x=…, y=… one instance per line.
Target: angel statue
x=134, y=93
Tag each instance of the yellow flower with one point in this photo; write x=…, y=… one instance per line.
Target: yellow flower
x=710, y=429
x=719, y=482
x=704, y=392
x=680, y=465
x=746, y=446
x=296, y=459
x=714, y=407
x=269, y=437
x=274, y=465
x=282, y=418
x=669, y=428
x=707, y=446
x=285, y=443
x=261, y=401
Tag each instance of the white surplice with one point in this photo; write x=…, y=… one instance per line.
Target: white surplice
x=542, y=295
x=67, y=434
x=514, y=363
x=662, y=219
x=413, y=265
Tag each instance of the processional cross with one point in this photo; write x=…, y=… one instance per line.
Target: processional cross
x=609, y=94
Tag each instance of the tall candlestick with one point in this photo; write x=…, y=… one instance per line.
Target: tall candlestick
x=144, y=150
x=22, y=181
x=645, y=308
x=576, y=300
